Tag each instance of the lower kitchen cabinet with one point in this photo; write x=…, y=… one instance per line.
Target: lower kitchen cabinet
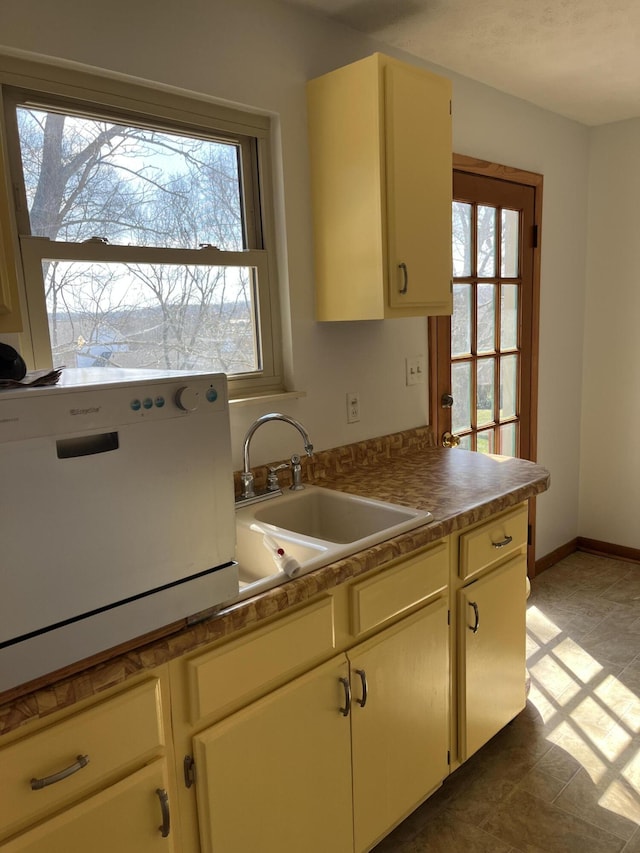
x=491, y=653
x=399, y=720
x=132, y=816
x=320, y=730
x=100, y=779
x=276, y=776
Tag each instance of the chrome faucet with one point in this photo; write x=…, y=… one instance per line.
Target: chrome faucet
x=246, y=477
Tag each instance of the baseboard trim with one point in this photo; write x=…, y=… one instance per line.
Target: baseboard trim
x=589, y=546
x=608, y=549
x=554, y=557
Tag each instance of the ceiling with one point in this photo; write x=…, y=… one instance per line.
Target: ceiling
x=578, y=58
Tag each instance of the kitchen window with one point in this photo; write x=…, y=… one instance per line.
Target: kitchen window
x=143, y=224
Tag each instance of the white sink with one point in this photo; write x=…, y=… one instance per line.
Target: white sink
x=332, y=516
x=315, y=526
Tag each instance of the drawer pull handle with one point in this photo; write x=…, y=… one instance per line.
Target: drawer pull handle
x=476, y=612
x=365, y=688
x=506, y=541
x=347, y=697
x=165, y=826
x=80, y=762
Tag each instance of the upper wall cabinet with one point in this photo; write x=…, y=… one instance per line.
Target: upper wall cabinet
x=10, y=318
x=381, y=178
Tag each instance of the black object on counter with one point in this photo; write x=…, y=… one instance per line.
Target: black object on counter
x=12, y=365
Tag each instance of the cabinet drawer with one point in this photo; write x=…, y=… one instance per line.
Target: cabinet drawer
x=115, y=734
x=395, y=590
x=124, y=818
x=241, y=669
x=492, y=541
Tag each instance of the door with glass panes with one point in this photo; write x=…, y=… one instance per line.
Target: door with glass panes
x=485, y=354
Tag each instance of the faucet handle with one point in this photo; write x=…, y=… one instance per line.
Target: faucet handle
x=272, y=478
x=246, y=478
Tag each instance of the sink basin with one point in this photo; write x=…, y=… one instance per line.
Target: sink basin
x=315, y=526
x=257, y=563
x=332, y=516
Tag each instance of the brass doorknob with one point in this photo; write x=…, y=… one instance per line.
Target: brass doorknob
x=450, y=440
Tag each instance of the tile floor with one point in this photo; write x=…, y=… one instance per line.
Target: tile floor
x=564, y=776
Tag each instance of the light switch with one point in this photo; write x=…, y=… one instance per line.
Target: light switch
x=415, y=368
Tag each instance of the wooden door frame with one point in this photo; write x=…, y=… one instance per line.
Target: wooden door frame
x=474, y=165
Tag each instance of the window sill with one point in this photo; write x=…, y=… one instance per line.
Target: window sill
x=269, y=397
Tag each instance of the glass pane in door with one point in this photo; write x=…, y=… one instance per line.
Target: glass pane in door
x=508, y=316
x=510, y=242
x=461, y=328
x=508, y=386
x=508, y=439
x=462, y=391
x=486, y=318
x=462, y=238
x=485, y=394
x=486, y=441
x=486, y=241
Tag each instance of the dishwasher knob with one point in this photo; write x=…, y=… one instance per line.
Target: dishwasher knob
x=187, y=399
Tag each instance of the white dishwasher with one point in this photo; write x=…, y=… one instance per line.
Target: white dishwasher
x=116, y=512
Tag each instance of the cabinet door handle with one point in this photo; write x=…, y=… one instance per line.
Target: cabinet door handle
x=474, y=628
x=347, y=697
x=506, y=541
x=80, y=762
x=405, y=278
x=365, y=687
x=165, y=826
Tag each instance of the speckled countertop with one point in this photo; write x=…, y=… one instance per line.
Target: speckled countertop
x=458, y=487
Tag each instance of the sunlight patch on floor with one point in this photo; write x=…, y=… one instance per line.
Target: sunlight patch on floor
x=622, y=800
x=589, y=713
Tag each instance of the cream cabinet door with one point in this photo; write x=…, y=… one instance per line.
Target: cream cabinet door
x=400, y=725
x=276, y=776
x=419, y=187
x=125, y=818
x=381, y=190
x=492, y=654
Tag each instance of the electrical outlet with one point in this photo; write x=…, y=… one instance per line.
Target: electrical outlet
x=353, y=407
x=415, y=368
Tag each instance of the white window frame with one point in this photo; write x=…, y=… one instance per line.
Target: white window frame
x=123, y=101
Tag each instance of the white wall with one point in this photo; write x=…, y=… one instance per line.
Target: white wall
x=610, y=464
x=258, y=53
